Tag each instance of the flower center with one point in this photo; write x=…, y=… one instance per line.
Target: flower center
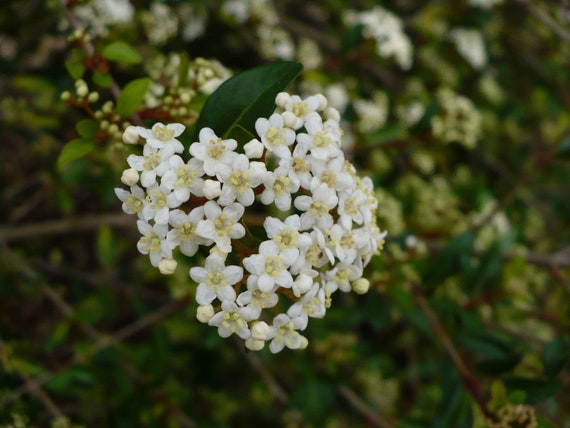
x=162, y=133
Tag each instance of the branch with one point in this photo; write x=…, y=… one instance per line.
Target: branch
x=360, y=406
x=469, y=381
x=67, y=225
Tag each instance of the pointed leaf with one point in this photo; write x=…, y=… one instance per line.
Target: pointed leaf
x=73, y=150
x=121, y=52
x=132, y=96
x=555, y=355
x=245, y=97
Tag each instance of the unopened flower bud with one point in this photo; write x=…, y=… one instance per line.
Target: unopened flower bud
x=130, y=177
x=332, y=113
x=82, y=91
x=131, y=135
x=93, y=97
x=302, y=284
x=254, y=344
x=65, y=96
x=322, y=102
x=258, y=167
x=282, y=99
x=260, y=330
x=289, y=119
x=212, y=189
x=167, y=266
x=361, y=286
x=204, y=313
x=253, y=149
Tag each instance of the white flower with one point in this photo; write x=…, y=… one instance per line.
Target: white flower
x=239, y=182
x=256, y=299
x=274, y=136
x=160, y=201
x=161, y=136
x=269, y=267
x=153, y=163
x=286, y=235
x=285, y=333
x=232, y=319
x=217, y=154
x=299, y=166
x=153, y=242
x=317, y=207
x=133, y=201
x=215, y=280
x=278, y=187
x=333, y=175
x=312, y=304
x=341, y=276
x=297, y=109
x=221, y=226
x=184, y=178
x=471, y=46
x=183, y=232
x=322, y=140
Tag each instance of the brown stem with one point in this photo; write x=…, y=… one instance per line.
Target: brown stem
x=470, y=382
x=361, y=407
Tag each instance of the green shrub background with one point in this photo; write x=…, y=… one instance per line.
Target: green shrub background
x=467, y=321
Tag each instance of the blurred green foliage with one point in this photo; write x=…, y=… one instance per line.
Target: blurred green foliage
x=467, y=322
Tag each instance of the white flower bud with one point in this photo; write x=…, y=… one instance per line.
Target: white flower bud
x=332, y=114
x=282, y=99
x=167, y=266
x=289, y=119
x=82, y=91
x=302, y=284
x=130, y=177
x=253, y=149
x=258, y=167
x=204, y=313
x=304, y=343
x=260, y=330
x=361, y=286
x=212, y=189
x=322, y=102
x=131, y=135
x=254, y=344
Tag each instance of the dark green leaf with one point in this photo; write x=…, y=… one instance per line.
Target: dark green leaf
x=452, y=259
x=183, y=68
x=555, y=355
x=73, y=150
x=132, y=96
x=75, y=69
x=87, y=128
x=121, y=52
x=245, y=97
x=536, y=389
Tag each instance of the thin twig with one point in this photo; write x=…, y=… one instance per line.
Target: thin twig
x=67, y=225
x=470, y=382
x=360, y=406
x=36, y=390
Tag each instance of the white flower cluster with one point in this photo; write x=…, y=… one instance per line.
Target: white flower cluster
x=458, y=120
x=98, y=15
x=471, y=46
x=387, y=31
x=317, y=236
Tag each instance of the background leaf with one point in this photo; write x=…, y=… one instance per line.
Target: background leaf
x=73, y=150
x=132, y=96
x=121, y=52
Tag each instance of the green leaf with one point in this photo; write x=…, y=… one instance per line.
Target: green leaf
x=555, y=355
x=536, y=389
x=242, y=99
x=121, y=52
x=73, y=150
x=104, y=80
x=75, y=69
x=87, y=128
x=132, y=96
x=452, y=259
x=183, y=68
